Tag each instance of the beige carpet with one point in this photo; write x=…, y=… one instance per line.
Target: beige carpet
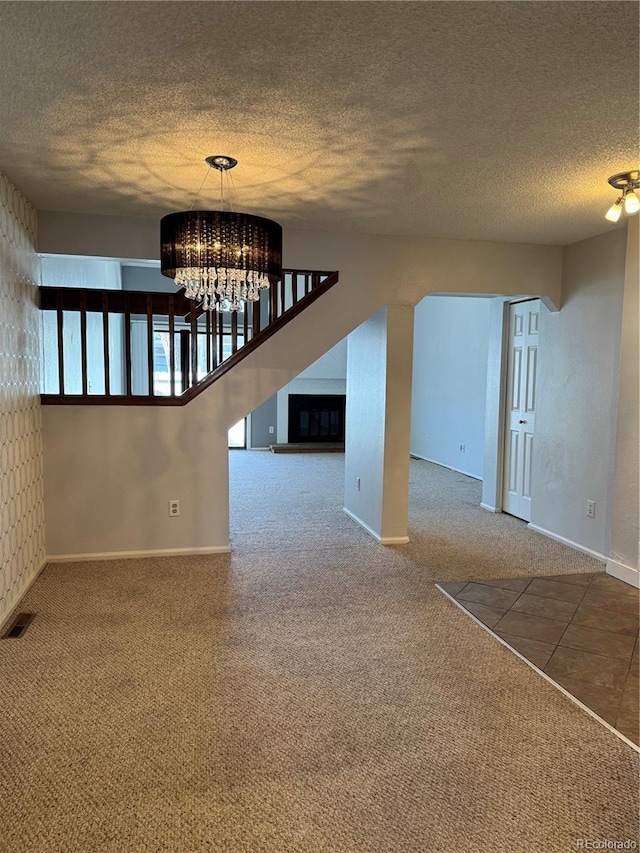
x=313, y=693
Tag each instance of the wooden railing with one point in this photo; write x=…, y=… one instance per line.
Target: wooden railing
x=137, y=348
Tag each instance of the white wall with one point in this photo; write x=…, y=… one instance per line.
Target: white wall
x=143, y=464
x=98, y=273
x=331, y=365
x=624, y=559
x=22, y=526
x=108, y=489
x=579, y=351
x=451, y=338
x=67, y=271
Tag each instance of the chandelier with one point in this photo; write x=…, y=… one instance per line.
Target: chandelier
x=223, y=259
x=627, y=183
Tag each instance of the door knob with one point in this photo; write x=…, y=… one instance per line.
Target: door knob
x=522, y=422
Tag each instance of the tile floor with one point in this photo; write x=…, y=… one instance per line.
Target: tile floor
x=581, y=630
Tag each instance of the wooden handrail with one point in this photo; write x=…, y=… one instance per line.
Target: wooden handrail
x=215, y=342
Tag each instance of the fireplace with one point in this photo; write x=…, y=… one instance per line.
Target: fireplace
x=316, y=418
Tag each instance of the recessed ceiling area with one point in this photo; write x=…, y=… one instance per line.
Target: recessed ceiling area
x=490, y=121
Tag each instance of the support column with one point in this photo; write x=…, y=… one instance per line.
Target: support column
x=624, y=560
x=378, y=424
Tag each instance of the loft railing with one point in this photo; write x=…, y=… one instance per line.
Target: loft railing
x=137, y=348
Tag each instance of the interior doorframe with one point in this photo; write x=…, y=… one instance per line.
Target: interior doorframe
x=496, y=399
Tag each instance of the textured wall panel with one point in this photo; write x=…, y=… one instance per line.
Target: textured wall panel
x=22, y=544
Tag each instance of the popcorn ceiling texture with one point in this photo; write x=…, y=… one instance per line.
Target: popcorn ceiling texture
x=490, y=121
x=22, y=544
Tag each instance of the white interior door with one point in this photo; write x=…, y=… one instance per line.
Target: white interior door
x=524, y=321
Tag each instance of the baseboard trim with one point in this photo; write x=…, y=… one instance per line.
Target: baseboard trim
x=25, y=589
x=442, y=465
x=595, y=554
x=540, y=672
x=624, y=573
x=489, y=508
x=383, y=540
x=133, y=555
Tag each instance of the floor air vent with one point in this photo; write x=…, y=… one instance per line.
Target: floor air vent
x=19, y=625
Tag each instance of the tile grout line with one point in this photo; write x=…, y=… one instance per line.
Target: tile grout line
x=556, y=645
x=544, y=675
x=571, y=620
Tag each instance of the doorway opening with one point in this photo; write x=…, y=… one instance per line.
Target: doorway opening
x=238, y=435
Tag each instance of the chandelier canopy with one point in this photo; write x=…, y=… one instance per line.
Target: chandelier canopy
x=222, y=258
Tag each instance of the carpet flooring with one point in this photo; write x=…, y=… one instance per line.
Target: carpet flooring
x=313, y=692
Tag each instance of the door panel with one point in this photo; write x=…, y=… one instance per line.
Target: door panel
x=512, y=462
x=522, y=369
x=516, y=380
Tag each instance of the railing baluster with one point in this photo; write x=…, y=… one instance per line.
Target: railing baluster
x=60, y=324
x=83, y=343
x=315, y=280
x=172, y=345
x=207, y=325
x=245, y=323
x=150, y=354
x=127, y=345
x=273, y=302
x=294, y=288
x=307, y=283
x=282, y=294
x=194, y=344
x=234, y=331
x=255, y=320
x=214, y=338
x=184, y=358
x=105, y=344
x=220, y=323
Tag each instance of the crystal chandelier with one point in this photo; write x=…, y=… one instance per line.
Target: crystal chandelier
x=221, y=258
x=627, y=183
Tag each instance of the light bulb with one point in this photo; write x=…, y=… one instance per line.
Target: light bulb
x=631, y=202
x=615, y=211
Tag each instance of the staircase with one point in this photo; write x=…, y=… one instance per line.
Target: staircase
x=117, y=347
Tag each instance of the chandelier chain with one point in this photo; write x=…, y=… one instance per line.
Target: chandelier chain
x=202, y=183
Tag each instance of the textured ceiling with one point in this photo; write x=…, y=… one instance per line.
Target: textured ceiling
x=481, y=120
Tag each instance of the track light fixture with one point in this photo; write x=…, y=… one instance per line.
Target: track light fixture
x=627, y=183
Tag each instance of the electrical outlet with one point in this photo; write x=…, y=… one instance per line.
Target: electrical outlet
x=462, y=448
x=591, y=509
x=272, y=430
x=358, y=483
x=174, y=508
